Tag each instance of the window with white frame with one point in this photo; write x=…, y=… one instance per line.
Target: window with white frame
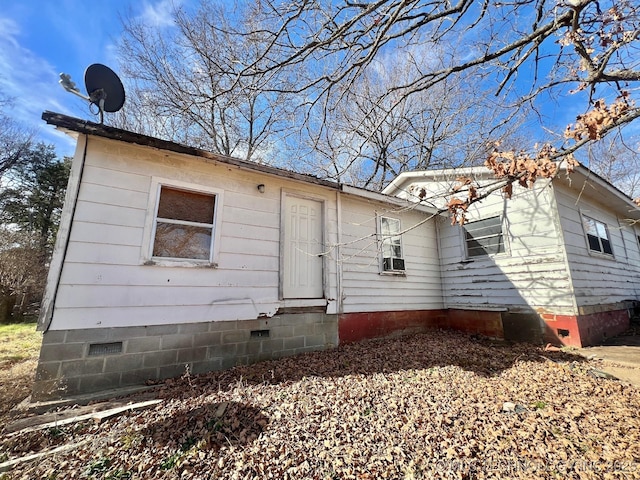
x=597, y=236
x=184, y=224
x=392, y=260
x=484, y=237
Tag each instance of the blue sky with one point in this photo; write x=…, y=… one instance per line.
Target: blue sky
x=41, y=38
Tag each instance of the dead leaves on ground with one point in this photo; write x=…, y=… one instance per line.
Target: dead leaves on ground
x=423, y=406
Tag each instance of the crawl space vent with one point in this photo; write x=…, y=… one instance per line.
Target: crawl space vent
x=259, y=333
x=97, y=349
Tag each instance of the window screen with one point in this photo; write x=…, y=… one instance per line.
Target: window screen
x=484, y=237
x=184, y=224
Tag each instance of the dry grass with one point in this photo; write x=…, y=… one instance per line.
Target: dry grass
x=19, y=350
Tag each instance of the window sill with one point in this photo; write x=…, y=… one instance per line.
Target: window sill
x=394, y=273
x=489, y=256
x=156, y=262
x=303, y=302
x=606, y=256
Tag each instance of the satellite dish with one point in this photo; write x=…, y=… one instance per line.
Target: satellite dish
x=104, y=88
x=102, y=82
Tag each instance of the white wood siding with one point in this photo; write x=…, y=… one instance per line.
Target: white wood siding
x=104, y=281
x=531, y=274
x=365, y=289
x=599, y=279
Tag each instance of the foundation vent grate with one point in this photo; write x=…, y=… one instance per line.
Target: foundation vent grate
x=97, y=349
x=259, y=333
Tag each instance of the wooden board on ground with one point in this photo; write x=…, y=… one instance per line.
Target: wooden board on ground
x=99, y=416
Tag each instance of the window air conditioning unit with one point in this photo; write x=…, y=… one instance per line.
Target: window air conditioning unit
x=390, y=263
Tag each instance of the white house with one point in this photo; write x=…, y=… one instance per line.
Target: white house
x=558, y=263
x=170, y=257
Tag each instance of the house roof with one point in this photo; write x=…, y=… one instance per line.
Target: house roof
x=581, y=180
x=76, y=125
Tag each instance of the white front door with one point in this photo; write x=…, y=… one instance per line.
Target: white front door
x=302, y=262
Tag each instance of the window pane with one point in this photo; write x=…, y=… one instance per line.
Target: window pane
x=594, y=243
x=384, y=224
x=597, y=236
x=484, y=228
x=492, y=244
x=389, y=225
x=186, y=206
x=182, y=241
x=590, y=227
x=485, y=246
x=602, y=230
x=391, y=250
x=391, y=244
x=484, y=237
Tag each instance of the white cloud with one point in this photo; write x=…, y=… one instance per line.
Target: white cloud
x=30, y=81
x=9, y=29
x=159, y=14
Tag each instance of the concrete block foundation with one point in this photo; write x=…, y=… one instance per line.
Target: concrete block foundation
x=84, y=361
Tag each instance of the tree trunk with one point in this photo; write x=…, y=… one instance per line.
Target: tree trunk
x=6, y=307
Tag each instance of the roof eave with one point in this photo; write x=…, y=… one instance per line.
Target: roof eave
x=77, y=125
x=384, y=198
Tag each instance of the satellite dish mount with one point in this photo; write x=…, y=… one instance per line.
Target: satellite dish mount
x=104, y=88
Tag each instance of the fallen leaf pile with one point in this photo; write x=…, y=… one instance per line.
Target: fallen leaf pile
x=433, y=405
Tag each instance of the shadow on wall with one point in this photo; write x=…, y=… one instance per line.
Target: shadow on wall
x=526, y=288
x=631, y=336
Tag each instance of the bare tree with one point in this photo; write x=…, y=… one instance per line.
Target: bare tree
x=597, y=41
x=368, y=137
x=22, y=271
x=15, y=140
x=522, y=49
x=183, y=82
x=618, y=161
x=220, y=78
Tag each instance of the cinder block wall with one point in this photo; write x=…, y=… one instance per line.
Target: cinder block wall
x=592, y=326
x=90, y=360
